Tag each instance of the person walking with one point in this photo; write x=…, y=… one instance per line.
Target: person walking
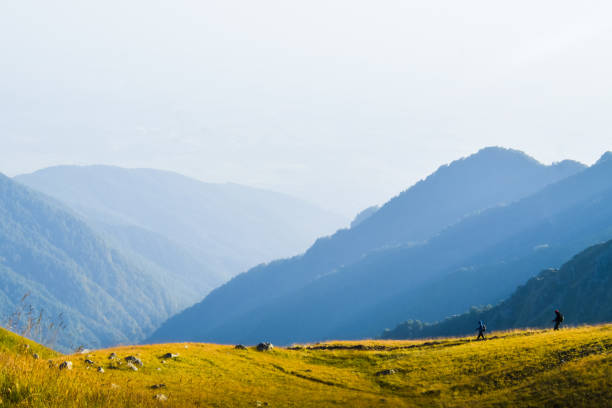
x=558, y=319
x=482, y=328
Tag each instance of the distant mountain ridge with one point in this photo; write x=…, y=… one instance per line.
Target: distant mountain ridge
x=304, y=298
x=477, y=261
x=581, y=289
x=203, y=232
x=49, y=253
x=498, y=250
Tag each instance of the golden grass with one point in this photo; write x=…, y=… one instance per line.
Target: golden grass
x=13, y=343
x=571, y=367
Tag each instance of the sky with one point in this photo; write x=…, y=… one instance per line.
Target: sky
x=344, y=103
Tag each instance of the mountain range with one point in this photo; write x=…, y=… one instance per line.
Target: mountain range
x=469, y=219
x=115, y=252
x=580, y=289
x=204, y=232
x=119, y=253
x=66, y=269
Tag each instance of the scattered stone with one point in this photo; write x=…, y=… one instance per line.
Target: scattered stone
x=66, y=365
x=186, y=346
x=170, y=355
x=158, y=368
x=261, y=404
x=36, y=356
x=266, y=346
x=158, y=386
x=112, y=356
x=114, y=386
x=163, y=361
x=134, y=360
x=160, y=397
x=100, y=370
x=240, y=347
x=89, y=362
x=386, y=372
x=132, y=367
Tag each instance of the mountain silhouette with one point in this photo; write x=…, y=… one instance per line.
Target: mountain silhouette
x=310, y=296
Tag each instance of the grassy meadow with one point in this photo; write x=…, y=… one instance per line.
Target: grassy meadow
x=571, y=367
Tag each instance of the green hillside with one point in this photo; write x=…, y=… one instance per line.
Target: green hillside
x=581, y=289
x=73, y=276
x=204, y=233
x=13, y=343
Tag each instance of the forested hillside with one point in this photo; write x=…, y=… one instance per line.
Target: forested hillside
x=204, y=232
x=580, y=289
x=66, y=269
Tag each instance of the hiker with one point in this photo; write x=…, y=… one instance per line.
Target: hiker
x=482, y=327
x=558, y=319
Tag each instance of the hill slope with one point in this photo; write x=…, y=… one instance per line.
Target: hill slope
x=480, y=260
x=569, y=368
x=67, y=269
x=11, y=343
x=299, y=299
x=207, y=232
x=580, y=289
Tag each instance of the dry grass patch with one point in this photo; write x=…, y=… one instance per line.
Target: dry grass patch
x=517, y=368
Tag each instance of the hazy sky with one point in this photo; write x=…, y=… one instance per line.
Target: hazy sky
x=344, y=103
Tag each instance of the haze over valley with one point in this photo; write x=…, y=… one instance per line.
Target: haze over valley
x=317, y=204
x=232, y=264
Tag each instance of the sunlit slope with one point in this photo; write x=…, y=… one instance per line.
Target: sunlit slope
x=572, y=367
x=11, y=343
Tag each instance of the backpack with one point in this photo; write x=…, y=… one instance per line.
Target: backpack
x=560, y=317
